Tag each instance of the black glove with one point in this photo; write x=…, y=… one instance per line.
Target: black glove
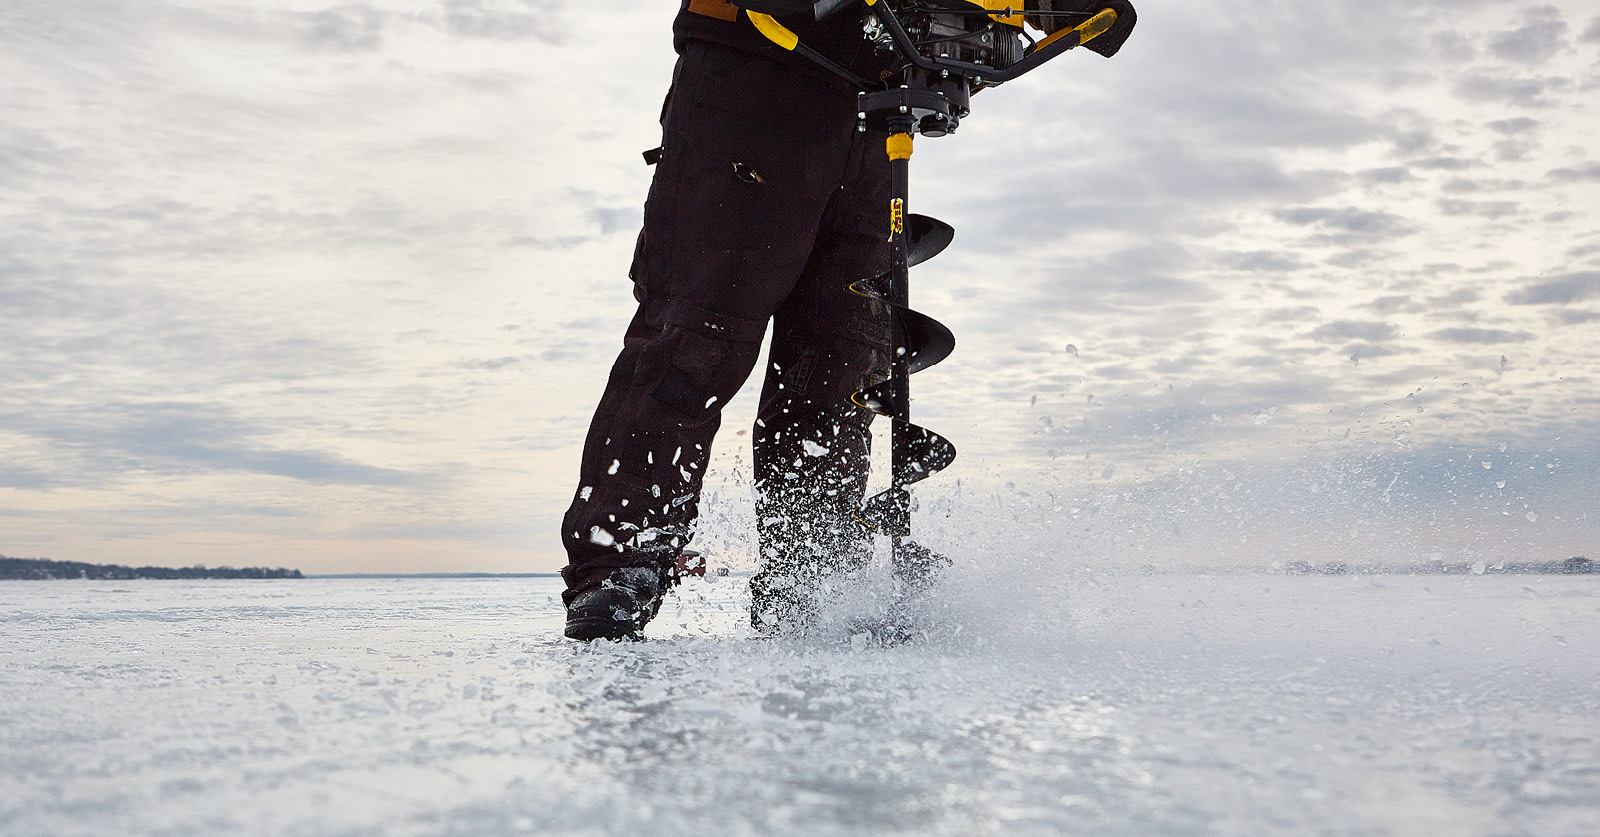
x=1108, y=43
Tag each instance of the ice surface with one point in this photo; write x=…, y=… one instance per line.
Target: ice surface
x=1094, y=704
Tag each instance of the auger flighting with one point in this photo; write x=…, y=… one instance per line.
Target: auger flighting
x=945, y=51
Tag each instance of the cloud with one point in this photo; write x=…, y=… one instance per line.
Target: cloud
x=1535, y=42
x=1573, y=174
x=1388, y=174
x=1482, y=209
x=1155, y=274
x=1511, y=127
x=1455, y=298
x=1352, y=330
x=1453, y=46
x=1394, y=304
x=1570, y=287
x=1511, y=151
x=1526, y=92
x=27, y=157
x=1463, y=334
x=1203, y=415
x=507, y=21
x=1289, y=315
x=491, y=364
x=183, y=438
x=1467, y=184
x=24, y=477
x=1591, y=34
x=1445, y=163
x=1348, y=223
x=612, y=219
x=1363, y=351
x=353, y=27
x=1256, y=261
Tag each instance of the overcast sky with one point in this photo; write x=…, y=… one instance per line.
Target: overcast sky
x=335, y=286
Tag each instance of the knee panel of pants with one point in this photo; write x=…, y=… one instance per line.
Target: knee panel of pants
x=693, y=375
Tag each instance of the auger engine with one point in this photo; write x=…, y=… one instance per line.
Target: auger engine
x=962, y=31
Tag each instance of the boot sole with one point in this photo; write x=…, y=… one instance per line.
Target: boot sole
x=601, y=628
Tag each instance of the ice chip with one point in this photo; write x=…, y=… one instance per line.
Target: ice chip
x=1478, y=567
x=1532, y=516
x=586, y=492
x=616, y=464
x=1487, y=465
x=600, y=536
x=812, y=448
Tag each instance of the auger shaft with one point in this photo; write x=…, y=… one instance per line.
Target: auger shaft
x=918, y=341
x=902, y=457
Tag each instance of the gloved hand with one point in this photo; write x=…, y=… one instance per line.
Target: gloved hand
x=1108, y=43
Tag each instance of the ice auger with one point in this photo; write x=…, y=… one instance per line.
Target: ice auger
x=943, y=52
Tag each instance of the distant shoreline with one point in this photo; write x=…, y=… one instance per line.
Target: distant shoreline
x=41, y=569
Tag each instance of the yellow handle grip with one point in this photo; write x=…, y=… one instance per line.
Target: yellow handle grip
x=1096, y=26
x=778, y=34
x=1086, y=31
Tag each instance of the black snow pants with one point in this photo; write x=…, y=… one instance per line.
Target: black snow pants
x=766, y=204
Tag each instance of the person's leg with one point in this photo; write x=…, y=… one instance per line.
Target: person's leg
x=733, y=214
x=812, y=447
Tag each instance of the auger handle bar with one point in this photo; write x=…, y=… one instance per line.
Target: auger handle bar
x=981, y=74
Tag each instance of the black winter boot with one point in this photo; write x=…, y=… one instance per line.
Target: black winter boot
x=619, y=607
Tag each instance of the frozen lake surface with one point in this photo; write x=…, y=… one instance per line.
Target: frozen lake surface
x=1105, y=704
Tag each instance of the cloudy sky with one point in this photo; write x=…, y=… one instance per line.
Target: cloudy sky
x=335, y=285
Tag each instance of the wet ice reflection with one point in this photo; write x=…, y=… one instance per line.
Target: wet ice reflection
x=1095, y=703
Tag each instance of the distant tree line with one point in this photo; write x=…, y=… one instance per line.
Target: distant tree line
x=1575, y=564
x=37, y=569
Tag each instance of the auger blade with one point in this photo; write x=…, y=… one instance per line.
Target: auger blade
x=928, y=341
x=926, y=453
x=928, y=237
x=877, y=287
x=879, y=398
x=888, y=512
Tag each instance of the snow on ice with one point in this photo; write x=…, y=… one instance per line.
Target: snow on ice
x=1095, y=703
